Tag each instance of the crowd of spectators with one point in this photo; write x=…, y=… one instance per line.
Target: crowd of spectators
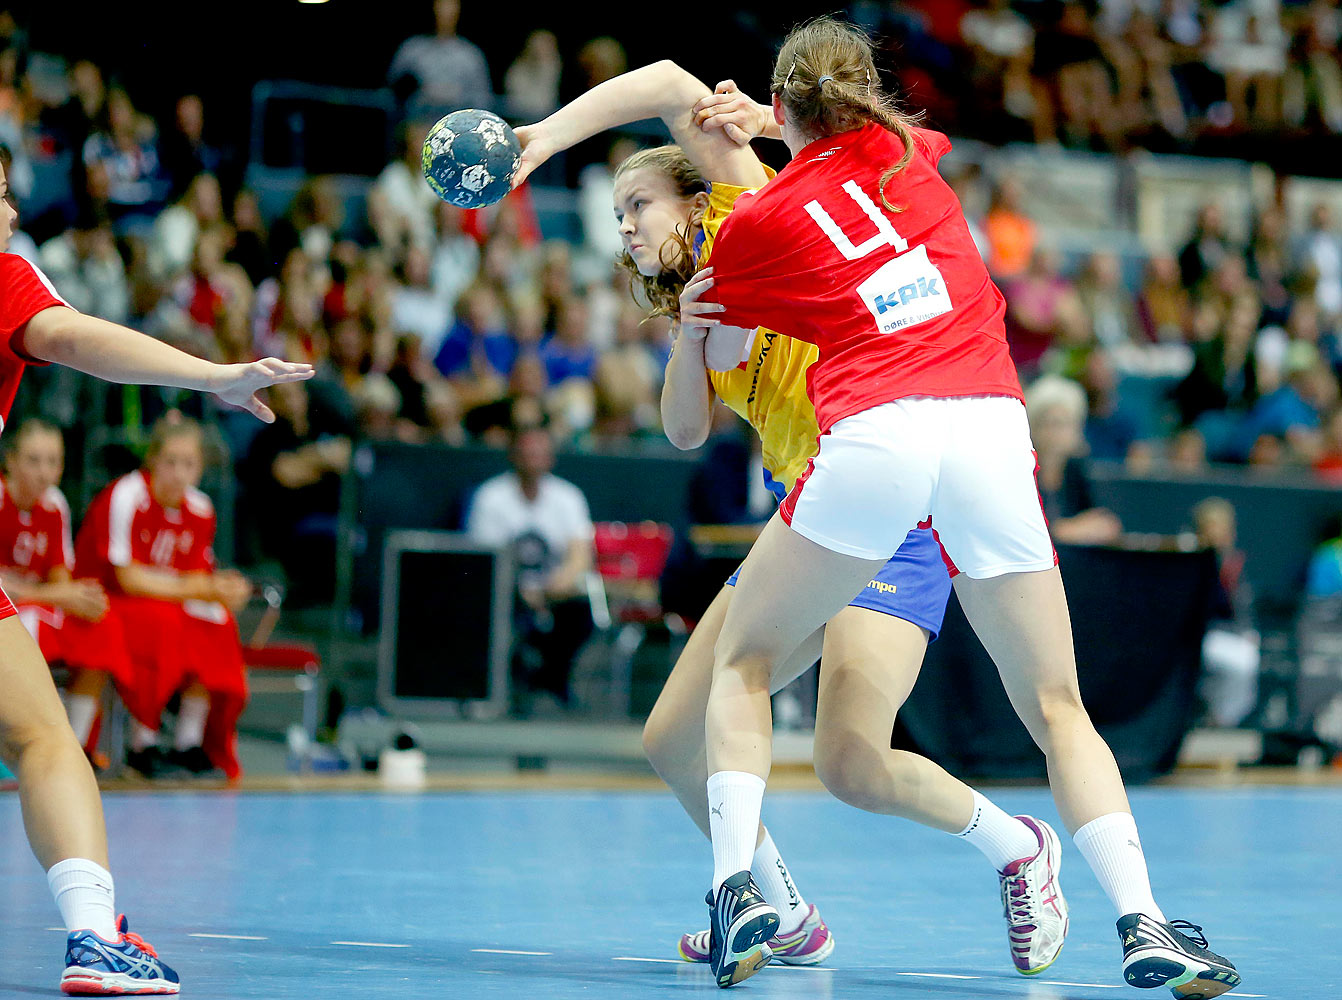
x=1115, y=75
x=430, y=324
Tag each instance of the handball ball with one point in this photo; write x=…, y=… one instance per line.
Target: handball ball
x=470, y=158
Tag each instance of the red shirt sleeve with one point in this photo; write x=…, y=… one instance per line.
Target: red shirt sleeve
x=751, y=279
x=24, y=292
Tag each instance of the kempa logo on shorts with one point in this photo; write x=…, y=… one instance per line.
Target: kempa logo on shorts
x=884, y=588
x=906, y=294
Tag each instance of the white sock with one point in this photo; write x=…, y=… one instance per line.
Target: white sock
x=82, y=709
x=734, y=802
x=1113, y=850
x=83, y=892
x=191, y=723
x=775, y=881
x=1002, y=838
x=142, y=737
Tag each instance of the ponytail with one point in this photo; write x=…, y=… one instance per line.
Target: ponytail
x=826, y=77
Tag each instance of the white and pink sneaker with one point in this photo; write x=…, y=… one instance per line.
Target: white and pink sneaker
x=1032, y=902
x=810, y=944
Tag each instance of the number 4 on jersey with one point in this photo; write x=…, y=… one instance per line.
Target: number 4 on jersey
x=885, y=232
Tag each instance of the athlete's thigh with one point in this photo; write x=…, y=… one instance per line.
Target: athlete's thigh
x=27, y=694
x=870, y=663
x=1023, y=622
x=789, y=586
x=987, y=510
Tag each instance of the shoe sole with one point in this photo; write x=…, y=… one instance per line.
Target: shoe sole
x=747, y=950
x=112, y=984
x=1054, y=845
x=1187, y=980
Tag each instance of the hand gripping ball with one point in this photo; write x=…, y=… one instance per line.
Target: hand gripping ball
x=470, y=157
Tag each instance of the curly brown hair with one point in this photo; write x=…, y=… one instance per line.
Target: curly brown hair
x=662, y=290
x=826, y=77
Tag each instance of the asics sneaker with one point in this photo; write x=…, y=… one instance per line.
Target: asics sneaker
x=740, y=925
x=127, y=966
x=1032, y=902
x=809, y=944
x=1174, y=955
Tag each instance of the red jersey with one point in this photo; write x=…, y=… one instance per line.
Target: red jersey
x=899, y=303
x=126, y=525
x=35, y=542
x=24, y=292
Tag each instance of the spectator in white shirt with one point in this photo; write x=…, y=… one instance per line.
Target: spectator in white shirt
x=441, y=72
x=546, y=523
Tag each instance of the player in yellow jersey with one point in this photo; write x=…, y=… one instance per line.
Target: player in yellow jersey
x=668, y=213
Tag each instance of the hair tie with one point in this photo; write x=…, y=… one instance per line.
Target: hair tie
x=822, y=80
x=790, y=72
x=868, y=81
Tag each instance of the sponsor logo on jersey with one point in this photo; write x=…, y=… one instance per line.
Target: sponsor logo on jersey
x=905, y=291
x=884, y=588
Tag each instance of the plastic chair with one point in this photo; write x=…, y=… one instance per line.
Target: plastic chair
x=300, y=661
x=630, y=559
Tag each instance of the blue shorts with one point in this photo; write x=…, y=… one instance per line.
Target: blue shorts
x=913, y=585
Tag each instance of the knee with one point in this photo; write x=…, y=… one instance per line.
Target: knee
x=656, y=740
x=858, y=772
x=21, y=742
x=1057, y=715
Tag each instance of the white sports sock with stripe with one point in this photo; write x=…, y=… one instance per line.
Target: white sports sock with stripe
x=775, y=882
x=1113, y=850
x=734, y=802
x=84, y=895
x=1002, y=838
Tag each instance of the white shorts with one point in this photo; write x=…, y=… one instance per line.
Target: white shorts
x=966, y=462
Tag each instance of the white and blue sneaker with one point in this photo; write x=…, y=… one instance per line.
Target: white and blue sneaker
x=127, y=966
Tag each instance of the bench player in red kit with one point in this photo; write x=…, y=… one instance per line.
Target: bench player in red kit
x=36, y=562
x=61, y=809
x=148, y=540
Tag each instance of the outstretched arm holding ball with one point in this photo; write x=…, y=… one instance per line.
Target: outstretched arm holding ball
x=660, y=90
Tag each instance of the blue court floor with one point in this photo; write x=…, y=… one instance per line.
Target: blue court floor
x=578, y=894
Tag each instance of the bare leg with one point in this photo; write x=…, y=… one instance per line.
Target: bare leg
x=1022, y=621
x=61, y=809
x=789, y=586
x=673, y=736
x=871, y=663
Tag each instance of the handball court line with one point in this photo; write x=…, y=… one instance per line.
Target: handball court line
x=509, y=951
x=229, y=937
x=369, y=944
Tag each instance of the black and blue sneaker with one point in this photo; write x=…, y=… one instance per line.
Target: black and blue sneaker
x=740, y=924
x=1174, y=955
x=95, y=966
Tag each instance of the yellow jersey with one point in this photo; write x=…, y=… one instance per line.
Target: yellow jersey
x=768, y=388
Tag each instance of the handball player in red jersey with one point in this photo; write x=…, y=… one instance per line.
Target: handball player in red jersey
x=61, y=810
x=36, y=564
x=859, y=247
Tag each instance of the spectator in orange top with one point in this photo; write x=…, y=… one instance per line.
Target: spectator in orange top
x=1011, y=234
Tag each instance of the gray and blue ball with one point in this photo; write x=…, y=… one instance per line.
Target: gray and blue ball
x=470, y=157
